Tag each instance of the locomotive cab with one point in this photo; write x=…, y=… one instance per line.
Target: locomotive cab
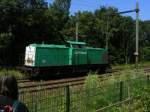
x=78, y=53
x=76, y=45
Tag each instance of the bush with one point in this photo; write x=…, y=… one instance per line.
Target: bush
x=15, y=73
x=93, y=98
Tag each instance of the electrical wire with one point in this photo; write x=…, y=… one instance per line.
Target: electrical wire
x=85, y=3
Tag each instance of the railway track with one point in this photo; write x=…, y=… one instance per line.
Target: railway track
x=147, y=70
x=50, y=84
x=45, y=85
x=23, y=80
x=33, y=86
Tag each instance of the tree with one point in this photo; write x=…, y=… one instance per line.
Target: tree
x=24, y=20
x=59, y=15
x=144, y=40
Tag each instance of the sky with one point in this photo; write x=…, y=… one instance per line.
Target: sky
x=121, y=5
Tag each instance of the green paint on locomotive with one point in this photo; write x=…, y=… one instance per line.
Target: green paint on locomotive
x=97, y=56
x=49, y=55
x=78, y=53
x=73, y=53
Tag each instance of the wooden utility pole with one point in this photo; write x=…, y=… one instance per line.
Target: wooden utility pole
x=107, y=34
x=77, y=27
x=137, y=35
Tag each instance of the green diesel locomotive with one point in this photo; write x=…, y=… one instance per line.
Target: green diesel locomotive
x=74, y=57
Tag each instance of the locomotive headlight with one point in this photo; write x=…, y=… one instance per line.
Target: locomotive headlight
x=43, y=61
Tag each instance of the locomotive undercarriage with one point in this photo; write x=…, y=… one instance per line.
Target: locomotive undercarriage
x=65, y=70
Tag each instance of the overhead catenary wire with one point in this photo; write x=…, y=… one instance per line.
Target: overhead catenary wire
x=86, y=3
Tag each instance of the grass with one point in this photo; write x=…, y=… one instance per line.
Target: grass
x=131, y=66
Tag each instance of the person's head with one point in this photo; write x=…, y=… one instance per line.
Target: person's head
x=8, y=86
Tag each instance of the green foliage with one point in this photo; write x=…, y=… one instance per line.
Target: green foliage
x=24, y=21
x=6, y=39
x=13, y=72
x=145, y=100
x=134, y=85
x=59, y=16
x=145, y=53
x=63, y=6
x=92, y=89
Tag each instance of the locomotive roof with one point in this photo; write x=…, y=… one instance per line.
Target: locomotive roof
x=95, y=48
x=75, y=42
x=48, y=45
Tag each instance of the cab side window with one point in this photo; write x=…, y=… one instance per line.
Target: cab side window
x=75, y=46
x=68, y=45
x=78, y=46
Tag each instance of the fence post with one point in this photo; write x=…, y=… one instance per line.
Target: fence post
x=129, y=96
x=67, y=98
x=148, y=80
x=34, y=102
x=121, y=91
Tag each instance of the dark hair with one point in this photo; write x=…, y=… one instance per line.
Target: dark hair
x=8, y=86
